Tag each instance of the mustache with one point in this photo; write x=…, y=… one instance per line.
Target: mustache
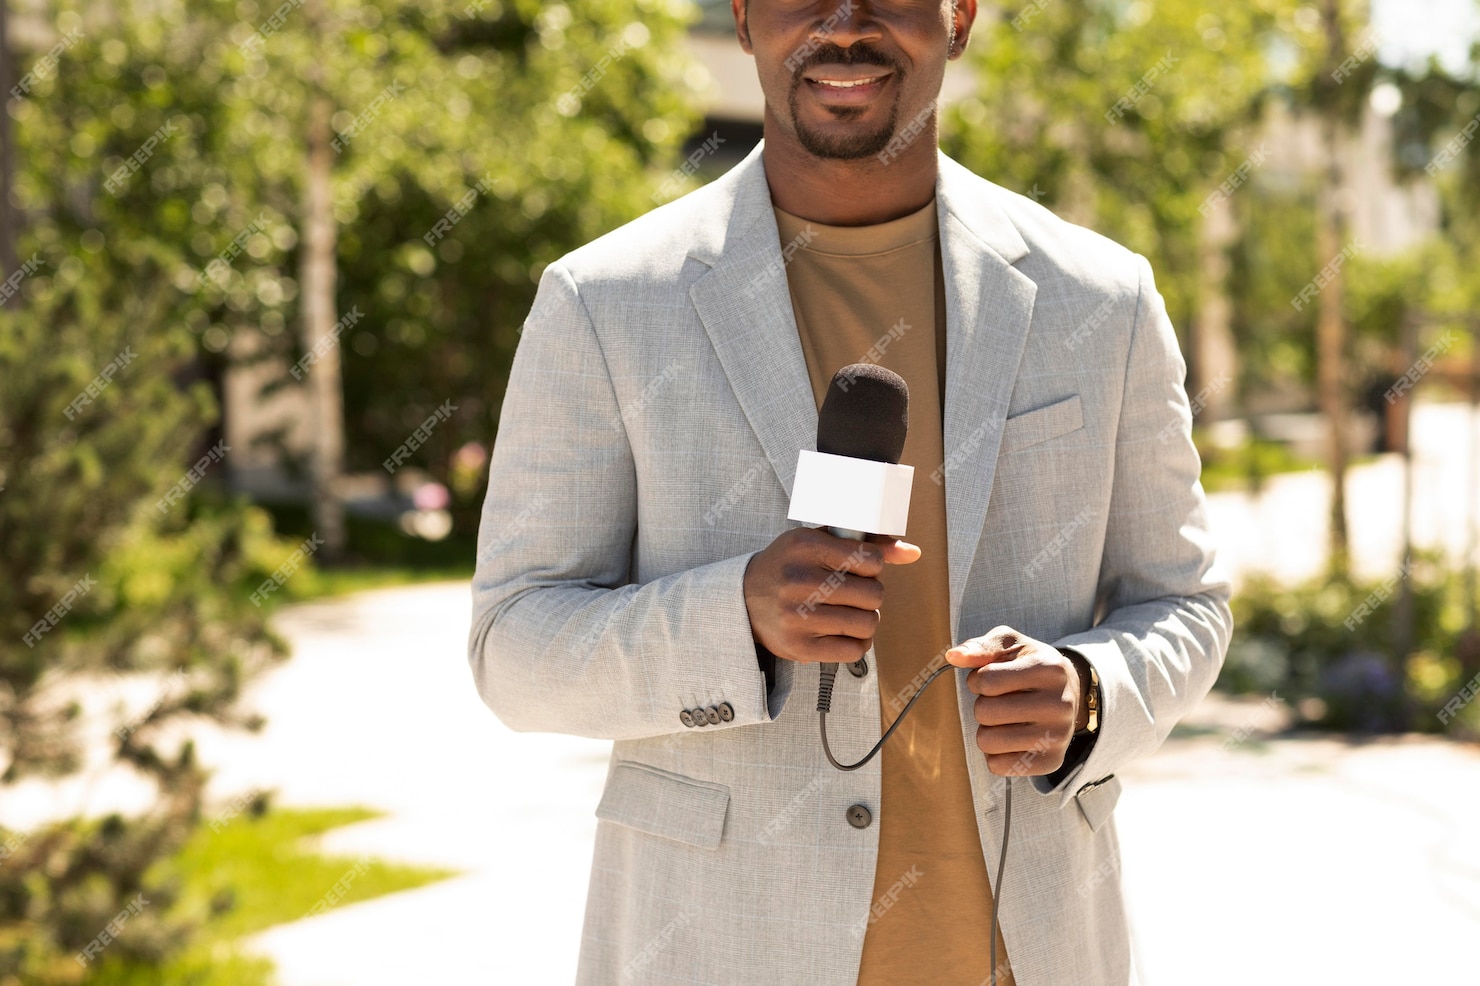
x=828, y=53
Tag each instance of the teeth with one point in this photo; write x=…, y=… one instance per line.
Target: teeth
x=847, y=85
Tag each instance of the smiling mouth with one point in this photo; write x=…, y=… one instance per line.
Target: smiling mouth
x=848, y=83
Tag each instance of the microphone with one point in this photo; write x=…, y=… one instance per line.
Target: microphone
x=853, y=484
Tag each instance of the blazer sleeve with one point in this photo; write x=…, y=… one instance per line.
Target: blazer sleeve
x=560, y=639
x=1166, y=622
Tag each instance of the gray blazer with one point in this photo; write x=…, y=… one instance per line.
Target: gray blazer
x=646, y=450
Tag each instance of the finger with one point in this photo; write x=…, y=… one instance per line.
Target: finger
x=806, y=599
x=1022, y=708
x=843, y=555
x=999, y=644
x=968, y=654
x=901, y=553
x=856, y=591
x=1021, y=740
x=1011, y=677
x=844, y=621
x=1031, y=763
x=833, y=650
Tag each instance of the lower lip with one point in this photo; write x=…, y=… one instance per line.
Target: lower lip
x=851, y=94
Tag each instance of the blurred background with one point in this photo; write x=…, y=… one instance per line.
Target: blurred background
x=264, y=269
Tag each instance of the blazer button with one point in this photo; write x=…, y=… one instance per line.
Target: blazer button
x=687, y=718
x=699, y=718
x=859, y=668
x=726, y=712
x=859, y=817
x=712, y=714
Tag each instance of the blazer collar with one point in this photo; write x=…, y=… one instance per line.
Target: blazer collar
x=744, y=303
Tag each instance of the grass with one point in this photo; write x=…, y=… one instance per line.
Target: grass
x=322, y=583
x=1247, y=465
x=256, y=871
x=378, y=556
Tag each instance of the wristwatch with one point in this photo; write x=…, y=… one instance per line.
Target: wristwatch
x=1092, y=701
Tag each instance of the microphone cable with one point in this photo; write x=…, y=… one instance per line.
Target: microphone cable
x=824, y=705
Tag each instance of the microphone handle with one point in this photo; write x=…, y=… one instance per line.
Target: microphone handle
x=843, y=532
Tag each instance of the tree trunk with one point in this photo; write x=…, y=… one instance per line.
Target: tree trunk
x=1331, y=330
x=1213, y=367
x=318, y=276
x=9, y=231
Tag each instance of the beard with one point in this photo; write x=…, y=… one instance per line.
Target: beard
x=851, y=144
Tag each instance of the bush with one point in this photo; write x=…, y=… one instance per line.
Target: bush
x=1330, y=647
x=101, y=576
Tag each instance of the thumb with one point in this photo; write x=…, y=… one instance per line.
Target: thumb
x=1000, y=644
x=901, y=553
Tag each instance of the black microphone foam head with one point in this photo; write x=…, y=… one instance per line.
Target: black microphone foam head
x=865, y=414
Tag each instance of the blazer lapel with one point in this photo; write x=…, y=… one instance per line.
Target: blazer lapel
x=989, y=307
x=745, y=306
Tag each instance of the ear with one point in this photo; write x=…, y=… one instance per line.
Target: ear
x=740, y=8
x=963, y=15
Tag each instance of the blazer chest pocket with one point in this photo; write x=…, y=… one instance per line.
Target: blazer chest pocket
x=1042, y=424
x=661, y=803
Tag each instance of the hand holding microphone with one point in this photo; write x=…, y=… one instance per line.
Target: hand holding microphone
x=813, y=595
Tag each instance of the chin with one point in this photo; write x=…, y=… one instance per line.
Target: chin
x=844, y=143
x=844, y=147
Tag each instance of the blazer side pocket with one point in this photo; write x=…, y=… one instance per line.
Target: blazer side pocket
x=661, y=803
x=1042, y=424
x=1096, y=801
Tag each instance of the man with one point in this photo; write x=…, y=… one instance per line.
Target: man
x=637, y=579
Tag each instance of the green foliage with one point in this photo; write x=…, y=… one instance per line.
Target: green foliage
x=233, y=877
x=1052, y=72
x=103, y=576
x=1247, y=465
x=101, y=572
x=160, y=169
x=258, y=869
x=476, y=124
x=440, y=108
x=1329, y=648
x=1269, y=265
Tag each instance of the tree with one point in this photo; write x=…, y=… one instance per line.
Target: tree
x=1337, y=106
x=109, y=568
x=474, y=143
x=318, y=309
x=1122, y=117
x=107, y=573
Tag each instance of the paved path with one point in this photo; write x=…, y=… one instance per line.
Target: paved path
x=1283, y=862
x=1283, y=531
